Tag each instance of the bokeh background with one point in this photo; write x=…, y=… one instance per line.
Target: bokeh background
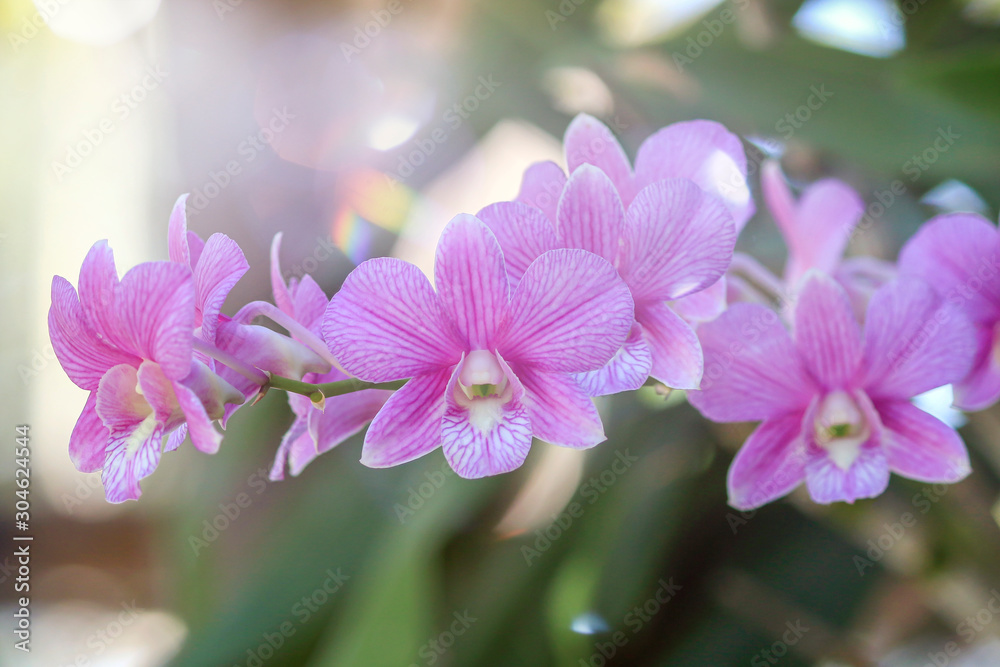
x=359, y=129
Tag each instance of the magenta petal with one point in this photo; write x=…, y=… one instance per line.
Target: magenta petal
x=309, y=302
x=779, y=198
x=752, y=369
x=97, y=285
x=203, y=434
x=913, y=343
x=561, y=413
x=590, y=214
x=959, y=254
x=89, y=440
x=485, y=436
x=826, y=333
x=770, y=464
x=677, y=240
x=409, y=425
x=589, y=141
x=523, y=232
x=155, y=307
x=570, y=313
x=471, y=280
x=177, y=234
x=921, y=446
x=676, y=352
x=867, y=477
x=703, y=306
x=980, y=388
x=297, y=437
x=704, y=152
x=825, y=217
x=219, y=268
x=80, y=352
x=541, y=187
x=346, y=415
x=176, y=438
x=282, y=297
x=268, y=350
x=626, y=371
x=386, y=323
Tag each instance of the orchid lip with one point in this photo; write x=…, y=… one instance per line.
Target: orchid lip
x=841, y=428
x=482, y=377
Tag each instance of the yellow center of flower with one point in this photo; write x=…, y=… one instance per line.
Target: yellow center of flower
x=841, y=428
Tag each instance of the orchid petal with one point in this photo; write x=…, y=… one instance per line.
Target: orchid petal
x=867, y=477
x=176, y=438
x=220, y=267
x=921, y=446
x=677, y=359
x=770, y=464
x=523, y=232
x=826, y=215
x=826, y=334
x=279, y=289
x=561, y=413
x=386, y=323
x=89, y=440
x=570, y=313
x=589, y=141
x=626, y=371
x=409, y=425
x=297, y=437
x=540, y=188
x=590, y=213
x=703, y=306
x=178, y=248
x=98, y=283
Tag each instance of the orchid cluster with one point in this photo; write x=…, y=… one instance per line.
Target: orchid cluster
x=592, y=281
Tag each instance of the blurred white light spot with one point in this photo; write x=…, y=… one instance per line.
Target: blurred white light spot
x=633, y=22
x=773, y=148
x=937, y=402
x=589, y=623
x=867, y=27
x=578, y=90
x=954, y=195
x=96, y=22
x=391, y=131
x=732, y=186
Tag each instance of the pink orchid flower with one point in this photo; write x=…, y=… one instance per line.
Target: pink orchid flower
x=817, y=228
x=489, y=368
x=673, y=241
x=702, y=151
x=959, y=255
x=835, y=402
x=315, y=431
x=130, y=344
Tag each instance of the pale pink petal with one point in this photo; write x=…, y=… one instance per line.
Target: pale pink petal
x=770, y=464
x=89, y=440
x=203, y=434
x=195, y=247
x=959, y=255
x=177, y=234
x=867, y=477
x=704, y=152
x=589, y=141
x=220, y=267
x=523, y=232
x=914, y=342
x=82, y=354
x=386, y=323
x=676, y=352
x=677, y=241
x=703, y=306
x=626, y=371
x=825, y=217
x=981, y=387
x=346, y=415
x=752, y=369
x=921, y=446
x=310, y=302
x=155, y=305
x=826, y=334
x=561, y=413
x=176, y=438
x=297, y=437
x=570, y=313
x=779, y=199
x=489, y=435
x=135, y=433
x=590, y=213
x=97, y=285
x=541, y=187
x=409, y=425
x=282, y=297
x=268, y=350
x=471, y=280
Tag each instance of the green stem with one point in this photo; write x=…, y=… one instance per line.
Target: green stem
x=338, y=388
